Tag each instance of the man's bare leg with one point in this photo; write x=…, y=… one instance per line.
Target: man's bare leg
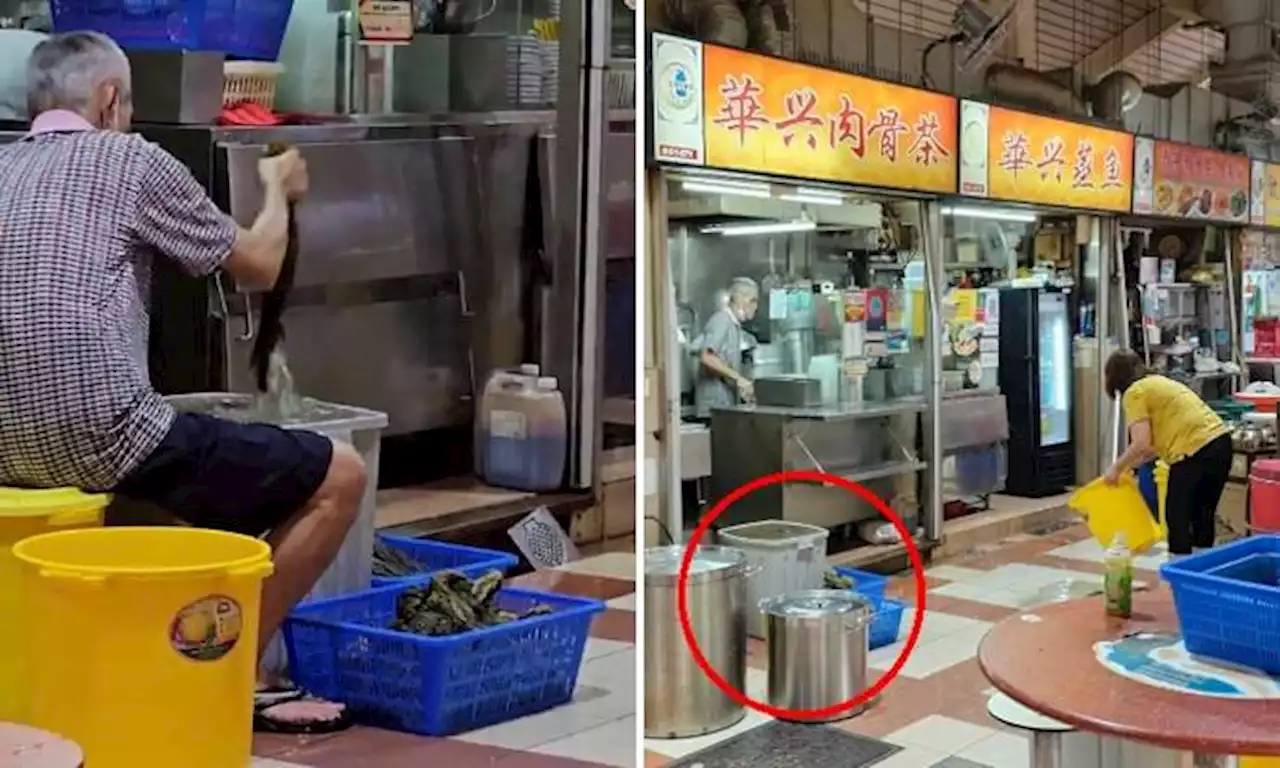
x=305, y=545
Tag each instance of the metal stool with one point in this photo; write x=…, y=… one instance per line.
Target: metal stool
x=25, y=747
x=1053, y=744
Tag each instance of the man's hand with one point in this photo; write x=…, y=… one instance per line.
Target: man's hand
x=288, y=172
x=1112, y=477
x=746, y=390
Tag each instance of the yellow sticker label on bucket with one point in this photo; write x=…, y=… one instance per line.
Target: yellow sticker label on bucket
x=207, y=629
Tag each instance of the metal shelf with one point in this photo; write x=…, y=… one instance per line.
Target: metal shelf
x=841, y=412
x=882, y=470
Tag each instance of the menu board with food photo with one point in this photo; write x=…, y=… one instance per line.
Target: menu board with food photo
x=1195, y=183
x=1267, y=188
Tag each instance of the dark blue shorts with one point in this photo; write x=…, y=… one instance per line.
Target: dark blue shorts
x=243, y=478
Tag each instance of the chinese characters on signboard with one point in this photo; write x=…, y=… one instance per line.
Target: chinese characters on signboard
x=1026, y=158
x=780, y=117
x=1188, y=182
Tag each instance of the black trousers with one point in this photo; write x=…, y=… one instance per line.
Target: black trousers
x=1191, y=500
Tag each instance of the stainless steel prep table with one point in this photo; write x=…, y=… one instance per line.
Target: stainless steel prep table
x=874, y=443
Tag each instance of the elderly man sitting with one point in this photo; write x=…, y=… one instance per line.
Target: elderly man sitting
x=85, y=208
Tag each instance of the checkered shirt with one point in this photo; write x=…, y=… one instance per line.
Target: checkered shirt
x=82, y=215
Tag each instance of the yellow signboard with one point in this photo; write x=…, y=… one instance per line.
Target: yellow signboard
x=1027, y=158
x=780, y=117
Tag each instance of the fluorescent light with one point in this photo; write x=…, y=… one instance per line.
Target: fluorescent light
x=805, y=197
x=771, y=228
x=994, y=214
x=728, y=188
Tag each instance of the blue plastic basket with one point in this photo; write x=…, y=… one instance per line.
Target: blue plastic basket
x=869, y=585
x=340, y=650
x=886, y=625
x=435, y=556
x=249, y=29
x=1228, y=602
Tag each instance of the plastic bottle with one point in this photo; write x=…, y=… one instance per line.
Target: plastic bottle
x=526, y=435
x=1118, y=577
x=526, y=374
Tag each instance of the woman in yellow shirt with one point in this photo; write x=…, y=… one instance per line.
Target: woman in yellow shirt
x=1169, y=421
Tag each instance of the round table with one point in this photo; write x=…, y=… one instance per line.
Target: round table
x=1044, y=659
x=25, y=747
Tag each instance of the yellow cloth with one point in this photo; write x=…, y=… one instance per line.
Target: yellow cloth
x=1181, y=423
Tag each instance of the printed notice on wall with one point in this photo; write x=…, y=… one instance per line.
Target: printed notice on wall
x=677, y=101
x=975, y=118
x=386, y=22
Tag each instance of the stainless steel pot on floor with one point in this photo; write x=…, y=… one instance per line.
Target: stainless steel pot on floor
x=818, y=645
x=679, y=700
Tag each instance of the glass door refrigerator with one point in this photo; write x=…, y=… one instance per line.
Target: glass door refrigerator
x=1036, y=368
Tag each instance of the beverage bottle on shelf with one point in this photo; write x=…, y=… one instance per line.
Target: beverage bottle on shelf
x=1118, y=577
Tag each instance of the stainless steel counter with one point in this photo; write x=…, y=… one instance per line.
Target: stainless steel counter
x=839, y=411
x=876, y=444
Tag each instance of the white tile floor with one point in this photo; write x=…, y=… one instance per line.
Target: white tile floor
x=1091, y=551
x=1021, y=585
x=941, y=734
x=945, y=640
x=1002, y=749
x=933, y=739
x=606, y=693
x=614, y=565
x=613, y=743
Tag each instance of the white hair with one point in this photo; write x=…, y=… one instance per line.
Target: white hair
x=66, y=70
x=743, y=289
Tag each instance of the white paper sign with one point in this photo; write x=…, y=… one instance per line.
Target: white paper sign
x=1144, y=174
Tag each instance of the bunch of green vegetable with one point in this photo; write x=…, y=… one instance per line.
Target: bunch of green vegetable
x=391, y=563
x=452, y=603
x=833, y=580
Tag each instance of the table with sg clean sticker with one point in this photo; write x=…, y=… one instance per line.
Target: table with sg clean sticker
x=1132, y=684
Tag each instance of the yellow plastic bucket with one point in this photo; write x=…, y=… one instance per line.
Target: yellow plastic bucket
x=1119, y=508
x=26, y=513
x=142, y=642
x=1260, y=762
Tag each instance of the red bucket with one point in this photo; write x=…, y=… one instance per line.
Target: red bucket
x=1264, y=496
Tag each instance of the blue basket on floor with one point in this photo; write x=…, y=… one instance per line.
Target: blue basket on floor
x=249, y=29
x=869, y=585
x=886, y=625
x=436, y=556
x=1228, y=602
x=340, y=650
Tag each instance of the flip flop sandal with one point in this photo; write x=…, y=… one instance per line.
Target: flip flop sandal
x=268, y=695
x=300, y=716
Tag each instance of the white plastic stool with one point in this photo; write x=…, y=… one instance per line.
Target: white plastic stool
x=1054, y=744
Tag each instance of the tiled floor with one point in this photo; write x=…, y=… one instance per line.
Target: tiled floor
x=597, y=729
x=936, y=710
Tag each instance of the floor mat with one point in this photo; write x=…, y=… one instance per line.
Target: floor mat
x=791, y=745
x=959, y=762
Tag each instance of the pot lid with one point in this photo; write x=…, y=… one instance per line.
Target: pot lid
x=816, y=604
x=665, y=561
